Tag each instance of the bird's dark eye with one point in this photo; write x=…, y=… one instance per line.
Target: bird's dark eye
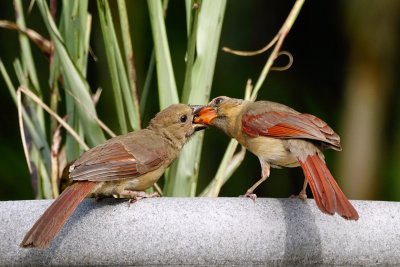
x=183, y=118
x=218, y=100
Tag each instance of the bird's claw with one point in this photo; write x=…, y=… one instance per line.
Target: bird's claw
x=98, y=198
x=302, y=195
x=138, y=195
x=250, y=195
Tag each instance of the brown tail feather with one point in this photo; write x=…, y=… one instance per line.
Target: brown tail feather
x=54, y=218
x=327, y=193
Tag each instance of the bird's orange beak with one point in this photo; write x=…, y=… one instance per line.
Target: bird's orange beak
x=205, y=115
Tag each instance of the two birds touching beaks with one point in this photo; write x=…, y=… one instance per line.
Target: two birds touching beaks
x=127, y=165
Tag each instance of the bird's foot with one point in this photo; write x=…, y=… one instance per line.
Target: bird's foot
x=98, y=198
x=302, y=195
x=138, y=195
x=250, y=194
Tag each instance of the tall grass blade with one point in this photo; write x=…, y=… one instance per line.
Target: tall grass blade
x=27, y=75
x=74, y=81
x=75, y=29
x=147, y=83
x=39, y=156
x=182, y=178
x=38, y=152
x=26, y=53
x=167, y=90
x=40, y=103
x=106, y=25
x=119, y=75
x=129, y=61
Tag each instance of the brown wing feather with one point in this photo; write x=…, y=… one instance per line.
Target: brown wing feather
x=285, y=125
x=115, y=160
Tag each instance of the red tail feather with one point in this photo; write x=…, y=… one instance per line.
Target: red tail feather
x=327, y=193
x=54, y=218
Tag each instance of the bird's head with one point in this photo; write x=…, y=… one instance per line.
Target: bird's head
x=177, y=122
x=219, y=112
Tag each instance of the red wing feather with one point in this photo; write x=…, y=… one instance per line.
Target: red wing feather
x=286, y=130
x=287, y=125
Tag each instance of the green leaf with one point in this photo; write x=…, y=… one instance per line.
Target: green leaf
x=28, y=63
x=182, y=178
x=75, y=29
x=74, y=81
x=130, y=63
x=125, y=100
x=40, y=152
x=147, y=83
x=26, y=53
x=107, y=30
x=207, y=47
x=167, y=89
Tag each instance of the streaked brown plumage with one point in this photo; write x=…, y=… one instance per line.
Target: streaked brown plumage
x=282, y=137
x=125, y=165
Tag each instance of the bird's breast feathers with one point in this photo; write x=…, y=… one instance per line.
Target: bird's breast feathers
x=272, y=151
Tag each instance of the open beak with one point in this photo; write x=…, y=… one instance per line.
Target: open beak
x=196, y=108
x=205, y=115
x=197, y=126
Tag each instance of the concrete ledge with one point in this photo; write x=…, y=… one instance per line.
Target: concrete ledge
x=206, y=231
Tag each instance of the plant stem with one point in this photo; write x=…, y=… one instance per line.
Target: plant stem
x=287, y=25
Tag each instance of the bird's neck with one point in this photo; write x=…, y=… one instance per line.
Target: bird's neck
x=234, y=121
x=170, y=138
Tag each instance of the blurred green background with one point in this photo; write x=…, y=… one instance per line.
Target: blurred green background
x=345, y=71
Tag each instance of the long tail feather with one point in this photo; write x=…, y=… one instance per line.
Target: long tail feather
x=327, y=193
x=54, y=218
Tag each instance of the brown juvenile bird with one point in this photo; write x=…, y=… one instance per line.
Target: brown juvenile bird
x=282, y=137
x=125, y=165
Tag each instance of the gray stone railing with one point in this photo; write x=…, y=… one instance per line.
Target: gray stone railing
x=206, y=231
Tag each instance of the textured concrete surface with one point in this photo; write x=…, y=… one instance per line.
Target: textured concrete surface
x=206, y=231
